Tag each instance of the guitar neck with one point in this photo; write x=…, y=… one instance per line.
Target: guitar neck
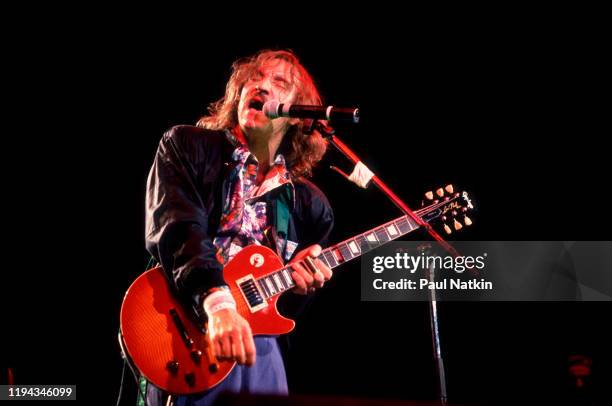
x=356, y=246
x=280, y=281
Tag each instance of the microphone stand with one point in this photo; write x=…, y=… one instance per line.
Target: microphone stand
x=330, y=134
x=435, y=337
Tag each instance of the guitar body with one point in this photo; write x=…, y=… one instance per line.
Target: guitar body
x=153, y=339
x=172, y=351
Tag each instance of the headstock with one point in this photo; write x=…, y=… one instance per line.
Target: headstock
x=448, y=206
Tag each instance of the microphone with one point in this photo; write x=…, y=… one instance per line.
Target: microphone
x=274, y=109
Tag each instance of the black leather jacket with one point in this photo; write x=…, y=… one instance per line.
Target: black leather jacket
x=183, y=208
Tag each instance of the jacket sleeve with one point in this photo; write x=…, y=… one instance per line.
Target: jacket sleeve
x=177, y=232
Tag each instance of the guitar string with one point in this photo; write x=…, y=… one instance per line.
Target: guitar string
x=422, y=211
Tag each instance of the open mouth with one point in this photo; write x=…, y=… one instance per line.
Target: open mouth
x=256, y=104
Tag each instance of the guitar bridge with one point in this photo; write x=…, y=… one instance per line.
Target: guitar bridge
x=251, y=293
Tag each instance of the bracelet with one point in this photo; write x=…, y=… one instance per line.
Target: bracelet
x=217, y=300
x=221, y=306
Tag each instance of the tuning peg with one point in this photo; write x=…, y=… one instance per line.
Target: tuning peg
x=454, y=212
x=429, y=195
x=449, y=188
x=457, y=225
x=447, y=229
x=464, y=209
x=440, y=192
x=467, y=221
x=444, y=218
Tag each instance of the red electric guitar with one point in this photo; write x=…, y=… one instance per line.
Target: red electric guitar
x=170, y=347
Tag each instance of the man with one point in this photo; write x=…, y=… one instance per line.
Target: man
x=239, y=179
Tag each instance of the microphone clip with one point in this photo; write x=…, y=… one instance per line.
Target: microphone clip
x=325, y=130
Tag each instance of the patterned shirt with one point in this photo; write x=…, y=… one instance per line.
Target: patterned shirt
x=244, y=217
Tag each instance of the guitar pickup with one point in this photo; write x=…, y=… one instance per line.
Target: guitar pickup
x=251, y=293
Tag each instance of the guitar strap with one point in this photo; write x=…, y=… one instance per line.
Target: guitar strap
x=276, y=234
x=282, y=211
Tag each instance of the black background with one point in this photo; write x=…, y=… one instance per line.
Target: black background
x=511, y=112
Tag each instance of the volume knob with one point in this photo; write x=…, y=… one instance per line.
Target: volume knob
x=190, y=378
x=173, y=367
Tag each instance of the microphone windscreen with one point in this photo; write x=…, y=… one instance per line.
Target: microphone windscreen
x=270, y=109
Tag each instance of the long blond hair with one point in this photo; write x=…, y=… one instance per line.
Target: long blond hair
x=302, y=151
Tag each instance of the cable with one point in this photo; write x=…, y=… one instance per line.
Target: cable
x=150, y=263
x=134, y=373
x=121, y=383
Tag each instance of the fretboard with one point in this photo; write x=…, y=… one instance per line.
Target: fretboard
x=362, y=243
x=281, y=280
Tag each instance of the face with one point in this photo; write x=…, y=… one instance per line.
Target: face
x=272, y=81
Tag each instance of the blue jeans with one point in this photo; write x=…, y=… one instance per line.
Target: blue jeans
x=266, y=376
